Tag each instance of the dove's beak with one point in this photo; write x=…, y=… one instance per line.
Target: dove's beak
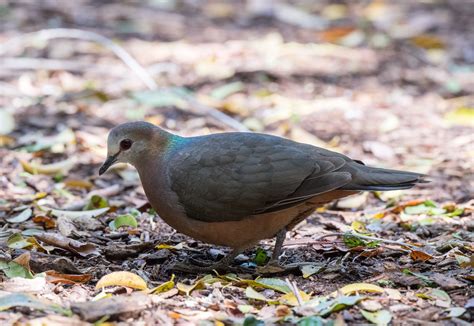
x=108, y=163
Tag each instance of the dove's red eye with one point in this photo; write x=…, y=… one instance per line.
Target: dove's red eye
x=125, y=144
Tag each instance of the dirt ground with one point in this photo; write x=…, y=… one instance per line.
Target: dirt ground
x=389, y=83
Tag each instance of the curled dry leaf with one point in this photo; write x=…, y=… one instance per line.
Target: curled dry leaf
x=24, y=260
x=46, y=221
x=74, y=246
x=55, y=277
x=122, y=278
x=48, y=169
x=419, y=255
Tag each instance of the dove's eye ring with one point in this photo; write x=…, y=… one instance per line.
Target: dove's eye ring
x=125, y=144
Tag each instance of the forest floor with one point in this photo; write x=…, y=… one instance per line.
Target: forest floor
x=389, y=83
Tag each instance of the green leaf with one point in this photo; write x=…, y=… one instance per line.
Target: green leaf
x=441, y=295
x=311, y=321
x=430, y=203
x=310, y=269
x=455, y=312
x=272, y=283
x=162, y=97
x=13, y=269
x=352, y=241
x=339, y=303
x=261, y=257
x=96, y=202
x=422, y=277
x=428, y=207
x=23, y=216
x=8, y=122
x=252, y=321
x=252, y=294
x=123, y=220
x=416, y=210
x=16, y=241
x=223, y=91
x=75, y=214
x=379, y=318
x=26, y=300
x=456, y=212
x=464, y=261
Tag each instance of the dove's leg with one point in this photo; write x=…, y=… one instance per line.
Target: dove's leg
x=274, y=266
x=280, y=238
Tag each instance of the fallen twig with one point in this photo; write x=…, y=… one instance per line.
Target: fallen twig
x=341, y=234
x=296, y=292
x=130, y=61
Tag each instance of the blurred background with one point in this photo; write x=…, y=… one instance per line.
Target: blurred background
x=390, y=83
x=387, y=82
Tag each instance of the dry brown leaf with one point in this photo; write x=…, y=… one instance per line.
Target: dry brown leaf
x=420, y=255
x=46, y=221
x=55, y=277
x=74, y=246
x=24, y=260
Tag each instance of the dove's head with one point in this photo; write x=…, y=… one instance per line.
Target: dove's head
x=130, y=142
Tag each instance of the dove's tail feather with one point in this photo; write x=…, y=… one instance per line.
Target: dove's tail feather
x=377, y=179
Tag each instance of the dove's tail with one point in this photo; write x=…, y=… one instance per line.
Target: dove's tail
x=377, y=179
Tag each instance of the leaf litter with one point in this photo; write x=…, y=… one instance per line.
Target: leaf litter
x=398, y=257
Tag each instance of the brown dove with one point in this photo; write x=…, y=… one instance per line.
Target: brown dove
x=234, y=189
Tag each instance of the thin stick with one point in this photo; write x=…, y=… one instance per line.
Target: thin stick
x=120, y=52
x=338, y=234
x=130, y=61
x=296, y=292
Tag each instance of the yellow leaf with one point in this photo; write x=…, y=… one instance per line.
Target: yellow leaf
x=292, y=300
x=359, y=227
x=122, y=278
x=179, y=246
x=428, y=41
x=358, y=287
x=199, y=284
x=49, y=169
x=463, y=116
x=379, y=215
x=102, y=295
x=166, y=286
x=78, y=183
x=393, y=294
x=186, y=288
